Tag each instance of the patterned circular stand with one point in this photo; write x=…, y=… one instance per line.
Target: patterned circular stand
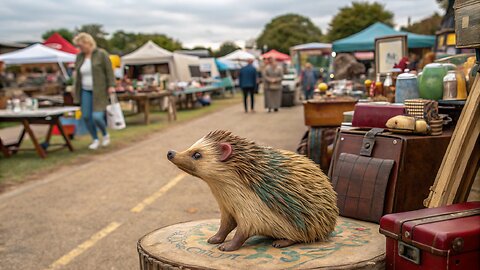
x=353, y=245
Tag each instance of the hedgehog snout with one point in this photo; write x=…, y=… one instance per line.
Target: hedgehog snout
x=171, y=154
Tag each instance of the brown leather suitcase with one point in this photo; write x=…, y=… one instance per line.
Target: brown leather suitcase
x=416, y=160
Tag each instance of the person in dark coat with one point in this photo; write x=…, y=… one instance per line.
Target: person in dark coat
x=248, y=83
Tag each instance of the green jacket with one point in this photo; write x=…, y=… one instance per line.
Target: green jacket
x=103, y=78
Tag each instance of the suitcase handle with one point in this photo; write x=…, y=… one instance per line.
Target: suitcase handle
x=369, y=141
x=408, y=252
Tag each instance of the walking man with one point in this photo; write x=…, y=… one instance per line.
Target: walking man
x=309, y=79
x=248, y=83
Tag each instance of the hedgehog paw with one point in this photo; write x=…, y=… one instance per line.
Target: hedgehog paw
x=228, y=246
x=281, y=243
x=216, y=239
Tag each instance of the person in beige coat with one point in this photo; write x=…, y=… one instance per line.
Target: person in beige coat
x=273, y=76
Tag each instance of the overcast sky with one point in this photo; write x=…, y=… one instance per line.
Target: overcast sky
x=193, y=22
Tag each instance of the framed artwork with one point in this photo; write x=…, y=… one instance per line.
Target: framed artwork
x=389, y=50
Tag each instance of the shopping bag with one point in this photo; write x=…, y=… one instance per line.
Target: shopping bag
x=115, y=119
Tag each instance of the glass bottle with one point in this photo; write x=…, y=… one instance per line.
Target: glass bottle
x=389, y=88
x=378, y=86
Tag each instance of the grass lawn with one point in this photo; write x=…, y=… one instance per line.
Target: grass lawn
x=26, y=165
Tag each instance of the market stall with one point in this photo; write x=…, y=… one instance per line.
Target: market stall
x=57, y=42
x=208, y=67
x=238, y=56
x=176, y=67
x=398, y=127
x=156, y=69
x=38, y=54
x=365, y=39
x=317, y=54
x=277, y=55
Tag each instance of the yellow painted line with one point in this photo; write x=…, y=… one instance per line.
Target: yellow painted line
x=149, y=200
x=66, y=259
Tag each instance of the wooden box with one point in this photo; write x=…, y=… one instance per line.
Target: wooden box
x=467, y=23
x=326, y=112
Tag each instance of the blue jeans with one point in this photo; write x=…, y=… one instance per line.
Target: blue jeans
x=308, y=93
x=92, y=119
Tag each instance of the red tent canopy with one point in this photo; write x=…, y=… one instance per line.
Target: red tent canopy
x=277, y=55
x=56, y=41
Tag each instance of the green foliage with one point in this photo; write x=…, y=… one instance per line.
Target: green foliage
x=226, y=48
x=97, y=32
x=121, y=42
x=427, y=26
x=352, y=19
x=124, y=42
x=64, y=32
x=288, y=30
x=443, y=4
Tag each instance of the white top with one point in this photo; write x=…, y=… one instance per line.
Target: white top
x=86, y=72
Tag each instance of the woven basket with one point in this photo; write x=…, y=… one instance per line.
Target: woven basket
x=422, y=108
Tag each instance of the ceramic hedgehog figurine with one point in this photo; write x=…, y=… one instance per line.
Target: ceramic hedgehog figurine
x=261, y=190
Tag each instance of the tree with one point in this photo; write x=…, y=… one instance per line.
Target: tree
x=64, y=32
x=288, y=30
x=226, y=48
x=97, y=32
x=124, y=42
x=210, y=52
x=444, y=3
x=427, y=26
x=352, y=19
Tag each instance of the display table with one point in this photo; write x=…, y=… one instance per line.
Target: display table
x=188, y=93
x=354, y=245
x=143, y=101
x=43, y=116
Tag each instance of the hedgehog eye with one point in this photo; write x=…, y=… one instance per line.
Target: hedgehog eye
x=196, y=156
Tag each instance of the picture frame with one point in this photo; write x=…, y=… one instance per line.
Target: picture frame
x=389, y=50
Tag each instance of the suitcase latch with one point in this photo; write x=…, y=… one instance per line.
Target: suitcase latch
x=457, y=244
x=369, y=141
x=408, y=252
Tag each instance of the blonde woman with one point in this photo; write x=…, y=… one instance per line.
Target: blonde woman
x=94, y=80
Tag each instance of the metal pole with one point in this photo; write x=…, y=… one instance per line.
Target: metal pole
x=64, y=71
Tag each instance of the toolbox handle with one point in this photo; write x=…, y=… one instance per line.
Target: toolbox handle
x=408, y=252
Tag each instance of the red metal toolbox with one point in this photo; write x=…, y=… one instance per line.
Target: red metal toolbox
x=436, y=238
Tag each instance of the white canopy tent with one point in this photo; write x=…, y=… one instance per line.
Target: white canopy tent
x=238, y=55
x=150, y=54
x=38, y=54
x=238, y=58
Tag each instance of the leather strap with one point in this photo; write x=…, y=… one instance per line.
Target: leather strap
x=436, y=218
x=369, y=141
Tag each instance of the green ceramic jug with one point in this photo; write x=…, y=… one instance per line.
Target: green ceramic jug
x=430, y=82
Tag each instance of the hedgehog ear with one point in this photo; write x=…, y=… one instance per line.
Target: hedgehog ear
x=226, y=151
